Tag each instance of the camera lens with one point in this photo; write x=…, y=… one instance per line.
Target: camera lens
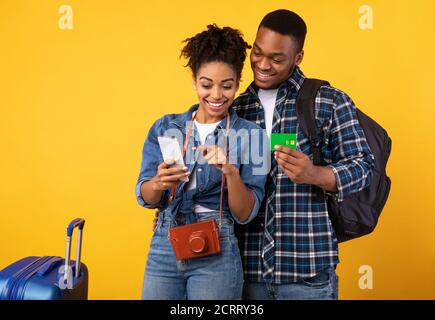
x=198, y=242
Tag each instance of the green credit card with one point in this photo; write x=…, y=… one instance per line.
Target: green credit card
x=283, y=139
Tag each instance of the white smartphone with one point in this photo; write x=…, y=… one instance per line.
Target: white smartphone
x=171, y=151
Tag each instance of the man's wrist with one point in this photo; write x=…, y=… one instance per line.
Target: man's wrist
x=324, y=178
x=316, y=179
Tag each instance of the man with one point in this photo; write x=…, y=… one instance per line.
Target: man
x=290, y=250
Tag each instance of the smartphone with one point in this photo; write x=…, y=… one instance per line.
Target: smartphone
x=283, y=139
x=171, y=150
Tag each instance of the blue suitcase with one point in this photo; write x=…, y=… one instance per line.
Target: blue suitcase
x=48, y=277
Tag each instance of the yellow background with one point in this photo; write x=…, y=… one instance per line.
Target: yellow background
x=76, y=105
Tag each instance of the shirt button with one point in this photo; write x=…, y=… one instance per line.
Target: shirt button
x=199, y=170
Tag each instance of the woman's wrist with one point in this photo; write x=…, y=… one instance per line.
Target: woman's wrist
x=155, y=185
x=230, y=170
x=149, y=193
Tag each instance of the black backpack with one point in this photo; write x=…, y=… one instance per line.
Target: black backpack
x=358, y=214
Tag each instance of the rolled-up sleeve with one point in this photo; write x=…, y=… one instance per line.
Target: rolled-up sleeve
x=352, y=159
x=151, y=158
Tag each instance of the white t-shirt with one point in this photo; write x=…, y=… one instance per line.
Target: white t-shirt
x=204, y=129
x=268, y=100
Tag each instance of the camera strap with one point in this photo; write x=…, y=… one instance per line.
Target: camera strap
x=186, y=141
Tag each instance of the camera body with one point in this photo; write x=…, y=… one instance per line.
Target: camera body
x=195, y=240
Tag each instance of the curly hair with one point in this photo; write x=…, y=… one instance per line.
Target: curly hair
x=216, y=44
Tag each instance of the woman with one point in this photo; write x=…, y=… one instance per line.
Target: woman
x=215, y=57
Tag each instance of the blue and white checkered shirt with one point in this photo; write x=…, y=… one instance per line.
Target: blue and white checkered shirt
x=292, y=237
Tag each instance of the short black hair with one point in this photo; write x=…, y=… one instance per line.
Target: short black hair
x=216, y=44
x=288, y=23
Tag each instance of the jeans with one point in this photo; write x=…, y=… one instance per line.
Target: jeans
x=213, y=277
x=323, y=286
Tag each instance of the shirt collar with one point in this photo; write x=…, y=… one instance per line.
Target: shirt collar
x=296, y=80
x=182, y=119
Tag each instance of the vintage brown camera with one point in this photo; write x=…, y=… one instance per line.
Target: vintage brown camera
x=195, y=240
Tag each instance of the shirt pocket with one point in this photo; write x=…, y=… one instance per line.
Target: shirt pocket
x=215, y=174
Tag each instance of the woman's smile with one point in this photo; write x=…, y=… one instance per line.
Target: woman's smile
x=215, y=105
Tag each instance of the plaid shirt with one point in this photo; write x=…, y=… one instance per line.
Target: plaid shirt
x=292, y=237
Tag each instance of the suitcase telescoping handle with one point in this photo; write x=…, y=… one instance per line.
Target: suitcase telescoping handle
x=79, y=223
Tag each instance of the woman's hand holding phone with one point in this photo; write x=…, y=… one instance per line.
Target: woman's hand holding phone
x=168, y=175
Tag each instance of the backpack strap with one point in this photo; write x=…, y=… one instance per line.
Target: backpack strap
x=305, y=110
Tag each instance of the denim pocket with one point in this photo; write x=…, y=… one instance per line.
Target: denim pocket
x=215, y=174
x=320, y=280
x=226, y=231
